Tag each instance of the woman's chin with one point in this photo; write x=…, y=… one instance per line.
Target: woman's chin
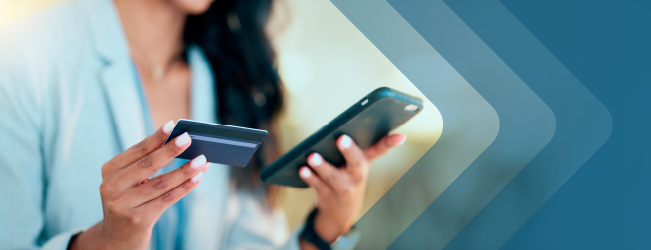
x=193, y=7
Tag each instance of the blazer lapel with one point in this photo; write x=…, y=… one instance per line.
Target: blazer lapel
x=117, y=76
x=123, y=98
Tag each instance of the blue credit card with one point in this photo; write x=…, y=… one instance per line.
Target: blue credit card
x=223, y=144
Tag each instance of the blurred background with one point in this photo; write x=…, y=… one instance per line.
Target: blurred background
x=326, y=64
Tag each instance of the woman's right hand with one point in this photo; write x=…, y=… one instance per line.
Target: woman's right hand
x=132, y=202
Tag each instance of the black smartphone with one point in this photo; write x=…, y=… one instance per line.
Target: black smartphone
x=366, y=122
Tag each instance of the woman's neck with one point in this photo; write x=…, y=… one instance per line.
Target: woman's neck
x=154, y=30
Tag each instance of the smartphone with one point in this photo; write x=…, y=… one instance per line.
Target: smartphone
x=366, y=122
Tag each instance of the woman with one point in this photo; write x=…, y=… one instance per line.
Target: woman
x=83, y=83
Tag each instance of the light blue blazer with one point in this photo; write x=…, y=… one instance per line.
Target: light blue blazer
x=69, y=102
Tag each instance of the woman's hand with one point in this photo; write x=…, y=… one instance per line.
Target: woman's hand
x=340, y=191
x=132, y=202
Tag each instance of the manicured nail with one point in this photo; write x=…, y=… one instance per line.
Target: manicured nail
x=167, y=128
x=198, y=162
x=404, y=138
x=345, y=141
x=182, y=140
x=197, y=177
x=316, y=160
x=305, y=172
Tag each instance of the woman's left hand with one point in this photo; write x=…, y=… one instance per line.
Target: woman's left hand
x=340, y=190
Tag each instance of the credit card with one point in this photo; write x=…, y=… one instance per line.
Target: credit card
x=223, y=144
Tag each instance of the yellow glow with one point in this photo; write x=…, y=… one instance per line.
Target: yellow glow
x=14, y=9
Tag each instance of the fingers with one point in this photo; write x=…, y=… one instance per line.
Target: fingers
x=338, y=180
x=356, y=162
x=326, y=171
x=170, y=197
x=144, y=147
x=323, y=175
x=384, y=145
x=149, y=164
x=312, y=179
x=157, y=186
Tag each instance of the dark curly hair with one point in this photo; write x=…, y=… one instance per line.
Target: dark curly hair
x=248, y=89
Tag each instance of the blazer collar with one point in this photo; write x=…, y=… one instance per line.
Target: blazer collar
x=118, y=74
x=106, y=30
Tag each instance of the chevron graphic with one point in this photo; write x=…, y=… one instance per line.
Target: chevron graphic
x=549, y=123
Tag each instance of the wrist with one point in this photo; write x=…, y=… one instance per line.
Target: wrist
x=88, y=239
x=328, y=229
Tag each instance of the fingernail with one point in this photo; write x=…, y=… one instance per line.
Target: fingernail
x=305, y=172
x=197, y=177
x=167, y=128
x=182, y=140
x=404, y=138
x=198, y=162
x=345, y=141
x=316, y=160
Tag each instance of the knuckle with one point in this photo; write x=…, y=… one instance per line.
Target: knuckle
x=186, y=186
x=105, y=168
x=167, y=197
x=158, y=184
x=141, y=147
x=358, y=179
x=347, y=189
x=160, y=135
x=358, y=163
x=332, y=179
x=135, y=218
x=105, y=188
x=113, y=207
x=186, y=171
x=172, y=149
x=146, y=161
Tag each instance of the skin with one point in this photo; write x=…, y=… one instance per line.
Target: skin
x=154, y=31
x=340, y=190
x=131, y=202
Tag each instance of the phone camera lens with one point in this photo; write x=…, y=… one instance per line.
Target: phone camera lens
x=411, y=108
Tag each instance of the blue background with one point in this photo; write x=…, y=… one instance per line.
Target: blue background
x=590, y=63
x=606, y=204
